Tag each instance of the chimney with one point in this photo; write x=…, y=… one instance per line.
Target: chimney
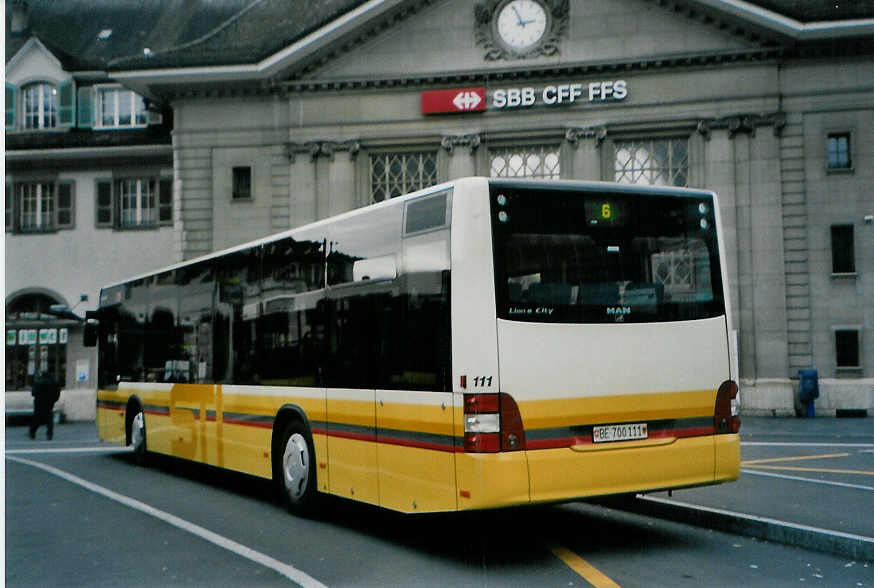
x=19, y=17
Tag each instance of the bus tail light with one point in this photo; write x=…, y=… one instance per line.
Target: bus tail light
x=725, y=415
x=492, y=423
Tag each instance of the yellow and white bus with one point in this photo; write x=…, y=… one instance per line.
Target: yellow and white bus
x=481, y=343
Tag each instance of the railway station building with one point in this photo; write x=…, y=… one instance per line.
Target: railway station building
x=139, y=135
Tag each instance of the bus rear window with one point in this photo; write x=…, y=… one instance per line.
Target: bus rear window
x=602, y=257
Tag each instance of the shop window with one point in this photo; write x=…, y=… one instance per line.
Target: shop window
x=843, y=255
x=653, y=162
x=847, y=348
x=39, y=207
x=36, y=341
x=134, y=203
x=838, y=151
x=242, y=183
x=534, y=161
x=396, y=174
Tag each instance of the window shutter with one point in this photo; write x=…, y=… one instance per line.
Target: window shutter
x=67, y=106
x=66, y=201
x=86, y=109
x=11, y=97
x=165, y=201
x=10, y=212
x=104, y=205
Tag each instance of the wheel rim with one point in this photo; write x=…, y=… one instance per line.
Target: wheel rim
x=296, y=466
x=138, y=432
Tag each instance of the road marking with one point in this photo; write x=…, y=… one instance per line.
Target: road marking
x=809, y=480
x=284, y=569
x=794, y=458
x=116, y=449
x=592, y=575
x=815, y=470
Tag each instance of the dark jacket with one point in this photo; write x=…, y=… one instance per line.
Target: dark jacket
x=45, y=389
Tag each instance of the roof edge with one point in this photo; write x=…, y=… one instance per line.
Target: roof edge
x=790, y=27
x=272, y=64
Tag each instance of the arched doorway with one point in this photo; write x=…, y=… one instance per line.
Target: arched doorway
x=36, y=340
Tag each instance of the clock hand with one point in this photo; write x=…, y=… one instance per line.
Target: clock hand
x=518, y=16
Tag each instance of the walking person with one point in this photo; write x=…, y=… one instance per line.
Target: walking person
x=45, y=392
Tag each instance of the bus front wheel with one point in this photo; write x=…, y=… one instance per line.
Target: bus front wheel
x=297, y=471
x=137, y=435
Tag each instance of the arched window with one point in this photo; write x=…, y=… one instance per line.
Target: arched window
x=40, y=109
x=36, y=341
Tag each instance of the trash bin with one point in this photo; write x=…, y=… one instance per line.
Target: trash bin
x=808, y=390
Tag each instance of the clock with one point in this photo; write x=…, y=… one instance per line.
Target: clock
x=520, y=29
x=521, y=24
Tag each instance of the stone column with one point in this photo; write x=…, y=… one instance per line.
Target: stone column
x=743, y=167
x=585, y=158
x=302, y=187
x=337, y=176
x=461, y=161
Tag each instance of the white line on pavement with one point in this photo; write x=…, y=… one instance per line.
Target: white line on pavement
x=115, y=449
x=810, y=480
x=284, y=569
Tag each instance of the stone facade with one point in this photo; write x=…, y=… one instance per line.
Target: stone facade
x=753, y=112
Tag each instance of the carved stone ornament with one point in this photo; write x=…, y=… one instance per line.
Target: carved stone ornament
x=489, y=16
x=316, y=149
x=450, y=142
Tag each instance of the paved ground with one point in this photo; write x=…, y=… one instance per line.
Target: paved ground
x=816, y=472
x=810, y=472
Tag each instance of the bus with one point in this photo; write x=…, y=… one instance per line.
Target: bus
x=481, y=343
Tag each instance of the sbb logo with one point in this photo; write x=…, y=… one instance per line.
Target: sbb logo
x=454, y=101
x=466, y=100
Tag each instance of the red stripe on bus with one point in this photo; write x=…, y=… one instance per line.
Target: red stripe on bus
x=562, y=442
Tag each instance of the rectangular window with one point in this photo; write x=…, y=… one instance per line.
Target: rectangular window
x=118, y=108
x=843, y=255
x=396, y=174
x=242, y=183
x=653, y=162
x=134, y=203
x=36, y=207
x=137, y=202
x=838, y=151
x=535, y=161
x=608, y=257
x=847, y=348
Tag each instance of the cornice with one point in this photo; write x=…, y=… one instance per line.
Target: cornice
x=540, y=72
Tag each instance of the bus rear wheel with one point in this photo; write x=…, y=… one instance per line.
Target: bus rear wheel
x=297, y=470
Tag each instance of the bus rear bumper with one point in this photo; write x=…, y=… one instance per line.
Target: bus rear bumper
x=566, y=474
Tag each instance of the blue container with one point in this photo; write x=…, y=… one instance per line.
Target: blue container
x=808, y=389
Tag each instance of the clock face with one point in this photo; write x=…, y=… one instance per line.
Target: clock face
x=521, y=24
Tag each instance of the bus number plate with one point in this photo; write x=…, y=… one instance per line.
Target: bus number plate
x=627, y=432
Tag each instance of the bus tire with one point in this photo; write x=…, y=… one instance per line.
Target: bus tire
x=137, y=434
x=296, y=474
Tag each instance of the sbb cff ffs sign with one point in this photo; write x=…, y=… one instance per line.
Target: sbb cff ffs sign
x=456, y=100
